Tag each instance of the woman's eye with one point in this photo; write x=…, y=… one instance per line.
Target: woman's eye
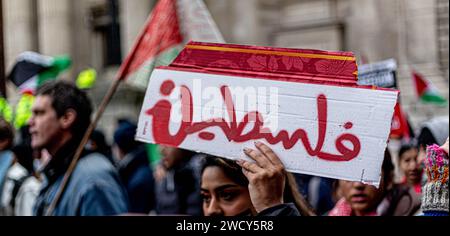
x=228, y=196
x=206, y=198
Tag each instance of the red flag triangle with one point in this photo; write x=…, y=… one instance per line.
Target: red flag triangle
x=161, y=32
x=420, y=83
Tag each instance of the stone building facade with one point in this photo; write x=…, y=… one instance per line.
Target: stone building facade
x=414, y=32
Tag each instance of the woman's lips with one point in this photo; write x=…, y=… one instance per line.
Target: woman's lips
x=359, y=198
x=413, y=174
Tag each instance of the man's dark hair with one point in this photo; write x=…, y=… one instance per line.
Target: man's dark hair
x=67, y=96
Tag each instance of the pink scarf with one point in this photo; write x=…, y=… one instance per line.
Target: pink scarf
x=342, y=208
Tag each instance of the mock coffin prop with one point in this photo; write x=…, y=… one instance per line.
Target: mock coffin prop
x=305, y=104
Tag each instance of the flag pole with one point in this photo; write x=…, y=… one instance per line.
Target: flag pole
x=112, y=90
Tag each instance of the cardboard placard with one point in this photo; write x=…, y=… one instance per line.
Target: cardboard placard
x=305, y=104
x=322, y=130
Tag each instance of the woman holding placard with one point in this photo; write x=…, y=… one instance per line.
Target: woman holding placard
x=230, y=188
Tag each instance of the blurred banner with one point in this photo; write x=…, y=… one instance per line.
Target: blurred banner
x=380, y=74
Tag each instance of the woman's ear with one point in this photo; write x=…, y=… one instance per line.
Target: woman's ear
x=68, y=118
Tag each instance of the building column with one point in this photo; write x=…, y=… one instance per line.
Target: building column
x=234, y=18
x=20, y=30
x=133, y=15
x=247, y=16
x=54, y=27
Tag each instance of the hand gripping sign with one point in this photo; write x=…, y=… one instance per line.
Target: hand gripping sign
x=306, y=104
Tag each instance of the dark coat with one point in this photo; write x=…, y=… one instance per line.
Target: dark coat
x=179, y=192
x=288, y=209
x=137, y=176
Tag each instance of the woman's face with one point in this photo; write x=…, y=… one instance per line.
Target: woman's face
x=223, y=197
x=362, y=198
x=410, y=166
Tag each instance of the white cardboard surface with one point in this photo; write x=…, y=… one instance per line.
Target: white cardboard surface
x=370, y=111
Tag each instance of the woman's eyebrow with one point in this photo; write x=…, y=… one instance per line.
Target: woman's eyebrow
x=223, y=187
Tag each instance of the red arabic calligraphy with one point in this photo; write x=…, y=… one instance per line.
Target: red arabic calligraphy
x=233, y=130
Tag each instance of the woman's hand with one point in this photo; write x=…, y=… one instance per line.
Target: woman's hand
x=266, y=177
x=445, y=146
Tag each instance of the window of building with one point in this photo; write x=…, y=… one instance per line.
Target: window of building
x=104, y=19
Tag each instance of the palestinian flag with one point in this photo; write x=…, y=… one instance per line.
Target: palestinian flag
x=170, y=26
x=33, y=69
x=426, y=91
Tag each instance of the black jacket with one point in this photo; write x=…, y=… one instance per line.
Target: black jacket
x=179, y=192
x=137, y=176
x=288, y=209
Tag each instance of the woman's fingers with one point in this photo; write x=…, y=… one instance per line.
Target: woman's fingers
x=250, y=167
x=445, y=146
x=265, y=158
x=257, y=157
x=249, y=175
x=269, y=154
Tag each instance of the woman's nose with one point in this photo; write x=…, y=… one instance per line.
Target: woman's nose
x=358, y=185
x=214, y=208
x=412, y=165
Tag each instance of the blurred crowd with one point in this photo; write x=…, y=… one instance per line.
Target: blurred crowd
x=132, y=178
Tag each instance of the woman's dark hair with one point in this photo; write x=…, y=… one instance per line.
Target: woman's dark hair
x=292, y=194
x=233, y=171
x=388, y=169
x=404, y=148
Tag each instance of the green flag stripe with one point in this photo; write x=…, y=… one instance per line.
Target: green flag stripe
x=433, y=98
